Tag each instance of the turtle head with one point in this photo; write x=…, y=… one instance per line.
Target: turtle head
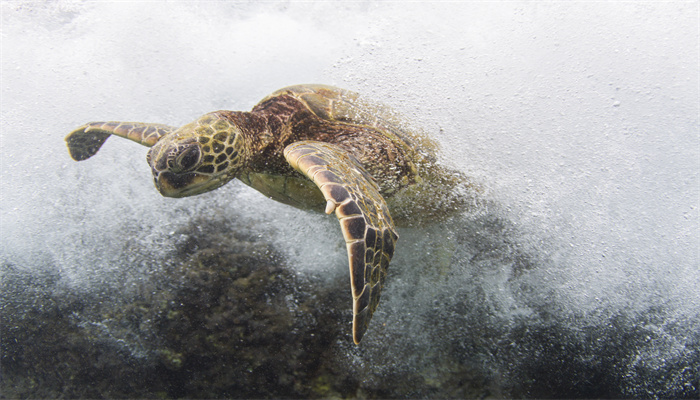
x=198, y=157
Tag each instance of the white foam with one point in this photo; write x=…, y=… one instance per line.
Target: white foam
x=581, y=119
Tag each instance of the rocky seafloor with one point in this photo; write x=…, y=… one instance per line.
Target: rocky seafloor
x=226, y=317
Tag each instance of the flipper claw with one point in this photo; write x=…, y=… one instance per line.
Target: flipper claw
x=330, y=206
x=364, y=219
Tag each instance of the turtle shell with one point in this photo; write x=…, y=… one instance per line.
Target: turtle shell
x=339, y=105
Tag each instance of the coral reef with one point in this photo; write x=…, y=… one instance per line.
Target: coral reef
x=224, y=316
x=227, y=320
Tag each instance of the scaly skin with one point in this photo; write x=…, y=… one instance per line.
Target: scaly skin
x=314, y=147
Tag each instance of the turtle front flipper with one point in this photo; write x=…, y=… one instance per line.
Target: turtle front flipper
x=364, y=217
x=85, y=141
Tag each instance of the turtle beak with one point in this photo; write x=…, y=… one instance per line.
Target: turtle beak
x=183, y=185
x=173, y=185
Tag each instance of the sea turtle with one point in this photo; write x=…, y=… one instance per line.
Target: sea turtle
x=313, y=147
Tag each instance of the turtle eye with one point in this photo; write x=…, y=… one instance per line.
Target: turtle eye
x=188, y=158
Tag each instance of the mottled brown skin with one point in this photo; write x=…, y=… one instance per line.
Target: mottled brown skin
x=314, y=147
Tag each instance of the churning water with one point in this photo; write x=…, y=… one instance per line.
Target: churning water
x=580, y=119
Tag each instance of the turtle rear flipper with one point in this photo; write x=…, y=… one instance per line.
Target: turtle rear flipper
x=364, y=217
x=85, y=141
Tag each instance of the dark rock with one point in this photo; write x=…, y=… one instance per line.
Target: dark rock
x=233, y=321
x=224, y=316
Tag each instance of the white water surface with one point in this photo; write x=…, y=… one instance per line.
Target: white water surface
x=580, y=118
